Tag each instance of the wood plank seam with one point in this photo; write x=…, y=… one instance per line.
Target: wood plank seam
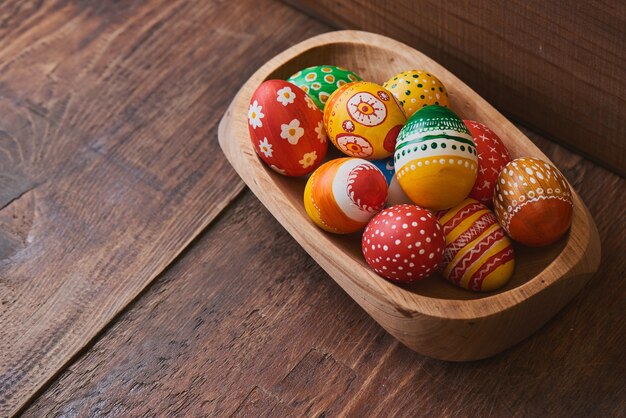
x=89, y=344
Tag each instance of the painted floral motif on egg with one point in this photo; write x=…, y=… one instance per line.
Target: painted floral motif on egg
x=343, y=194
x=320, y=81
x=363, y=120
x=492, y=157
x=533, y=202
x=403, y=243
x=478, y=255
x=436, y=160
x=395, y=195
x=286, y=128
x=417, y=89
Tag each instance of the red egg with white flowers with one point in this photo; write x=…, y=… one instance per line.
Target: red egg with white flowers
x=492, y=157
x=403, y=243
x=286, y=128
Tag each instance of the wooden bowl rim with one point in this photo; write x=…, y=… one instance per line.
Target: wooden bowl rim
x=403, y=300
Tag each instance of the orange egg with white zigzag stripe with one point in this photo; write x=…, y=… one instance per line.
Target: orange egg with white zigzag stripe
x=342, y=195
x=478, y=254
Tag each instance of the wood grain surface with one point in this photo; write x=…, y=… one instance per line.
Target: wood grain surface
x=431, y=317
x=107, y=111
x=246, y=324
x=108, y=161
x=556, y=66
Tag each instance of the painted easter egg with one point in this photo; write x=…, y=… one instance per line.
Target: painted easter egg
x=478, y=254
x=435, y=159
x=395, y=194
x=417, y=89
x=363, y=120
x=286, y=128
x=533, y=202
x=492, y=156
x=342, y=195
x=320, y=81
x=403, y=243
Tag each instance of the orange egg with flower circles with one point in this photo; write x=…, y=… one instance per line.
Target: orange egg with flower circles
x=363, y=120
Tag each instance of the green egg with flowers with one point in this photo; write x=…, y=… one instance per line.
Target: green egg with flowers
x=320, y=81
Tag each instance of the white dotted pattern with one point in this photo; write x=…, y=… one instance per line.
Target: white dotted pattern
x=406, y=243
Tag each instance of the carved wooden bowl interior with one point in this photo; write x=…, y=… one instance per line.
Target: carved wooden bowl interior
x=432, y=317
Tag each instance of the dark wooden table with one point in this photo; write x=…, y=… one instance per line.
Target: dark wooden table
x=139, y=277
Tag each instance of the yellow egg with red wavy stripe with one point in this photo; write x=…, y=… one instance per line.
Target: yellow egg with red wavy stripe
x=478, y=254
x=342, y=195
x=363, y=120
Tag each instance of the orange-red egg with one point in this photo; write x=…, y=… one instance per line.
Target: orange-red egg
x=533, y=202
x=343, y=194
x=286, y=128
x=492, y=156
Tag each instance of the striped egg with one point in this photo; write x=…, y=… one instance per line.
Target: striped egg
x=533, y=202
x=478, y=254
x=435, y=158
x=342, y=195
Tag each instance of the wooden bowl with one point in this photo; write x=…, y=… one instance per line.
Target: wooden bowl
x=432, y=317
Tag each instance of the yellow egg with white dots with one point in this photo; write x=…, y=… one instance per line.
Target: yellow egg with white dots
x=417, y=89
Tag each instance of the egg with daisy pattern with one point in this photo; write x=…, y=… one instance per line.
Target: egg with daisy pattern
x=286, y=128
x=320, y=81
x=363, y=120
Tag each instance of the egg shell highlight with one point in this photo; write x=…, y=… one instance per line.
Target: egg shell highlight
x=286, y=128
x=436, y=159
x=417, y=89
x=533, y=202
x=342, y=195
x=403, y=243
x=492, y=157
x=363, y=120
x=320, y=81
x=478, y=254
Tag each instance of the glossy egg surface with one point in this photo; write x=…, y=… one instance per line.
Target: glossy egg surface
x=417, y=89
x=363, y=120
x=533, y=202
x=478, y=254
x=435, y=159
x=342, y=195
x=320, y=81
x=492, y=157
x=403, y=243
x=286, y=128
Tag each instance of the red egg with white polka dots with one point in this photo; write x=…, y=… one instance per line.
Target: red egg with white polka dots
x=403, y=243
x=492, y=157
